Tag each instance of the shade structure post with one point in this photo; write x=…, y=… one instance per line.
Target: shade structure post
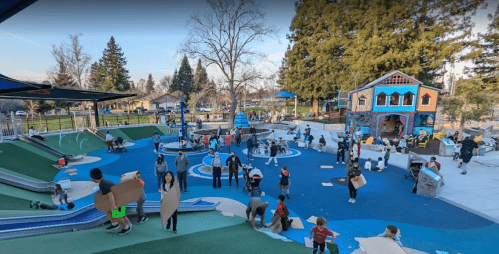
x=182, y=118
x=1, y=132
x=296, y=102
x=96, y=115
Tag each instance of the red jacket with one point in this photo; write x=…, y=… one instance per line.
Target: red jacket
x=436, y=164
x=282, y=210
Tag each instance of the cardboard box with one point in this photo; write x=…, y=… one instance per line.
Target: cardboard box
x=360, y=182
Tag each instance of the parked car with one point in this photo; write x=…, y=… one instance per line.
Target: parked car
x=161, y=110
x=20, y=113
x=205, y=109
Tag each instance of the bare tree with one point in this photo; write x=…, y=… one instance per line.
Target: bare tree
x=164, y=84
x=142, y=85
x=222, y=37
x=71, y=59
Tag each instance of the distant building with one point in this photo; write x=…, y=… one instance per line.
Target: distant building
x=154, y=101
x=395, y=98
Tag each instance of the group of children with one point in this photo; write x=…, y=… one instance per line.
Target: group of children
x=382, y=163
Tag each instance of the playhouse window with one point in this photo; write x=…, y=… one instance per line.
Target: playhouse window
x=394, y=99
x=381, y=99
x=408, y=99
x=425, y=100
x=362, y=101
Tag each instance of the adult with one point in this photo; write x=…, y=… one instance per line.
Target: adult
x=307, y=130
x=401, y=145
x=237, y=132
x=160, y=168
x=271, y=136
x=35, y=134
x=233, y=162
x=109, y=142
x=105, y=187
x=156, y=138
x=353, y=173
x=322, y=143
x=168, y=191
x=341, y=151
x=219, y=131
x=282, y=211
x=182, y=163
x=273, y=154
x=401, y=130
x=469, y=145
x=256, y=207
x=454, y=136
x=216, y=170
x=421, y=138
x=252, y=130
x=250, y=146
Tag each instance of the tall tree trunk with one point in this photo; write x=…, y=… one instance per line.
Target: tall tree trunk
x=461, y=128
x=233, y=108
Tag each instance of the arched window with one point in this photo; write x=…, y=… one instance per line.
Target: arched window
x=394, y=99
x=362, y=101
x=425, y=100
x=408, y=99
x=381, y=99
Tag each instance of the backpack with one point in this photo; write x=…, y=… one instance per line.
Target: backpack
x=217, y=162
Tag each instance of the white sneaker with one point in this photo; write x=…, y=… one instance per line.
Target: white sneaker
x=267, y=163
x=337, y=163
x=343, y=163
x=353, y=201
x=276, y=165
x=350, y=200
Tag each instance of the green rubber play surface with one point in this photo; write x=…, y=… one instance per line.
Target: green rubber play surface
x=75, y=143
x=240, y=238
x=25, y=162
x=35, y=149
x=12, y=198
x=117, y=133
x=140, y=132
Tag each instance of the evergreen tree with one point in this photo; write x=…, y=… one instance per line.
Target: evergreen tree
x=175, y=86
x=96, y=76
x=113, y=67
x=334, y=41
x=201, y=77
x=487, y=58
x=283, y=69
x=63, y=79
x=185, y=77
x=150, y=84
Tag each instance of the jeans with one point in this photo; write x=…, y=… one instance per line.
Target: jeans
x=352, y=190
x=250, y=153
x=228, y=148
x=182, y=179
x=217, y=173
x=174, y=216
x=456, y=156
x=386, y=163
x=140, y=203
x=322, y=246
x=285, y=223
x=233, y=173
x=156, y=146
x=342, y=154
x=161, y=176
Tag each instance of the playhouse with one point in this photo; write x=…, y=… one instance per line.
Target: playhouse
x=395, y=104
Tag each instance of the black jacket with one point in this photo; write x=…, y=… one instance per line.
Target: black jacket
x=230, y=163
x=252, y=130
x=341, y=147
x=250, y=143
x=273, y=151
x=353, y=173
x=322, y=141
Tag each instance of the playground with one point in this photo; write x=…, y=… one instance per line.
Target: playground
x=426, y=224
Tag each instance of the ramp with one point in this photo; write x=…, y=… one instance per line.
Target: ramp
x=26, y=184
x=84, y=218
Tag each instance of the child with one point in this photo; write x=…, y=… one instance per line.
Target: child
x=227, y=141
x=283, y=212
x=61, y=207
x=381, y=165
x=205, y=140
x=140, y=211
x=368, y=165
x=321, y=232
x=392, y=232
x=457, y=150
x=284, y=181
x=105, y=187
x=63, y=194
x=387, y=157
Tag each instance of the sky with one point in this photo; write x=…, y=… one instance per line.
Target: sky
x=149, y=32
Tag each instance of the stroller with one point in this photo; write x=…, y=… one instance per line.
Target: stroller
x=252, y=178
x=120, y=147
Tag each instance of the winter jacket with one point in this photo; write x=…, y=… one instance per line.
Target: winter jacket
x=284, y=178
x=233, y=164
x=273, y=151
x=156, y=138
x=160, y=168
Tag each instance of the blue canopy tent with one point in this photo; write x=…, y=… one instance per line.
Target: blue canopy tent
x=284, y=94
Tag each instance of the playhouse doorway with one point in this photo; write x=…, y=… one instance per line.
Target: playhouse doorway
x=390, y=125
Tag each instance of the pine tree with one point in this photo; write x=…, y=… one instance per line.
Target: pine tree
x=200, y=78
x=150, y=84
x=96, y=77
x=333, y=40
x=63, y=79
x=185, y=77
x=113, y=66
x=175, y=86
x=283, y=69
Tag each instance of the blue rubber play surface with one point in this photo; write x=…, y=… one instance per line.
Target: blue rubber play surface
x=426, y=224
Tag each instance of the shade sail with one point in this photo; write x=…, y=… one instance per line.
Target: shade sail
x=284, y=94
x=9, y=8
x=8, y=85
x=64, y=94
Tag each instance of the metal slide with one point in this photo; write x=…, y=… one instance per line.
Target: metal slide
x=97, y=133
x=40, y=145
x=19, y=182
x=84, y=218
